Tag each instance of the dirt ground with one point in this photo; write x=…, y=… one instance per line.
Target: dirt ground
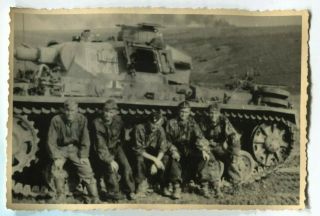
x=218, y=54
x=279, y=188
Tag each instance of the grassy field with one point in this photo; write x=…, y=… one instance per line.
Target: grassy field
x=273, y=52
x=218, y=53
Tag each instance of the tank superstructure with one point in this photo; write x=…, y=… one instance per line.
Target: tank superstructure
x=143, y=73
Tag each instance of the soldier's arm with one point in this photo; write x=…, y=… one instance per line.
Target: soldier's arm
x=138, y=137
x=139, y=143
x=162, y=143
x=229, y=129
x=201, y=143
x=169, y=131
x=84, y=141
x=233, y=136
x=197, y=131
x=53, y=150
x=100, y=143
x=118, y=127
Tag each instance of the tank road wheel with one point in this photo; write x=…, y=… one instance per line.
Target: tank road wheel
x=271, y=145
x=274, y=102
x=24, y=143
x=246, y=166
x=275, y=92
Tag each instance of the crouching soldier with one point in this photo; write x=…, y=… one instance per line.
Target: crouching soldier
x=224, y=142
x=191, y=161
x=68, y=139
x=150, y=147
x=109, y=135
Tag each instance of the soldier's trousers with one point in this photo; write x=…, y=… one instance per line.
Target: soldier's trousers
x=83, y=170
x=193, y=167
x=230, y=157
x=143, y=166
x=112, y=179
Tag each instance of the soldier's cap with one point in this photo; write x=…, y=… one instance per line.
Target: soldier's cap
x=184, y=105
x=214, y=107
x=155, y=117
x=70, y=103
x=110, y=105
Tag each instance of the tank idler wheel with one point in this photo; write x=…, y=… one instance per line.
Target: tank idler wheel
x=270, y=144
x=24, y=143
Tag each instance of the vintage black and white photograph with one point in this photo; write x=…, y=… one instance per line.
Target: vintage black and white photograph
x=145, y=109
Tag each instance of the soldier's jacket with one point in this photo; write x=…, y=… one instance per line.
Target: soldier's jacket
x=63, y=133
x=107, y=137
x=185, y=136
x=220, y=132
x=144, y=140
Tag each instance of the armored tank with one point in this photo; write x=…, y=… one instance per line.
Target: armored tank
x=142, y=73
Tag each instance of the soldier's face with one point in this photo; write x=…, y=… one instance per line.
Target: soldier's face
x=155, y=125
x=152, y=126
x=70, y=112
x=108, y=115
x=214, y=115
x=184, y=113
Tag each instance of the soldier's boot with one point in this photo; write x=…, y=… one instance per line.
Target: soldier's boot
x=93, y=195
x=115, y=195
x=167, y=190
x=217, y=190
x=131, y=196
x=59, y=184
x=176, y=194
x=204, y=190
x=142, y=189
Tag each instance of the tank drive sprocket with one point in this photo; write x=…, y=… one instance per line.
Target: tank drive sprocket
x=24, y=143
x=271, y=144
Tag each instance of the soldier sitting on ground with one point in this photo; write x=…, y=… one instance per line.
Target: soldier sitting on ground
x=224, y=142
x=68, y=139
x=151, y=148
x=109, y=135
x=191, y=162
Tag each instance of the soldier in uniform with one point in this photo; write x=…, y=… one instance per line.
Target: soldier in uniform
x=109, y=135
x=68, y=139
x=191, y=161
x=224, y=142
x=151, y=148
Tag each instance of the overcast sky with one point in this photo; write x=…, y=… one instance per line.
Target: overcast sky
x=81, y=21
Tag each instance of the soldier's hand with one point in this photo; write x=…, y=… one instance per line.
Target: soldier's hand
x=212, y=143
x=114, y=166
x=153, y=169
x=84, y=160
x=58, y=163
x=205, y=156
x=176, y=156
x=158, y=164
x=225, y=145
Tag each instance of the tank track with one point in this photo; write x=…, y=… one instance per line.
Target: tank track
x=34, y=191
x=260, y=172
